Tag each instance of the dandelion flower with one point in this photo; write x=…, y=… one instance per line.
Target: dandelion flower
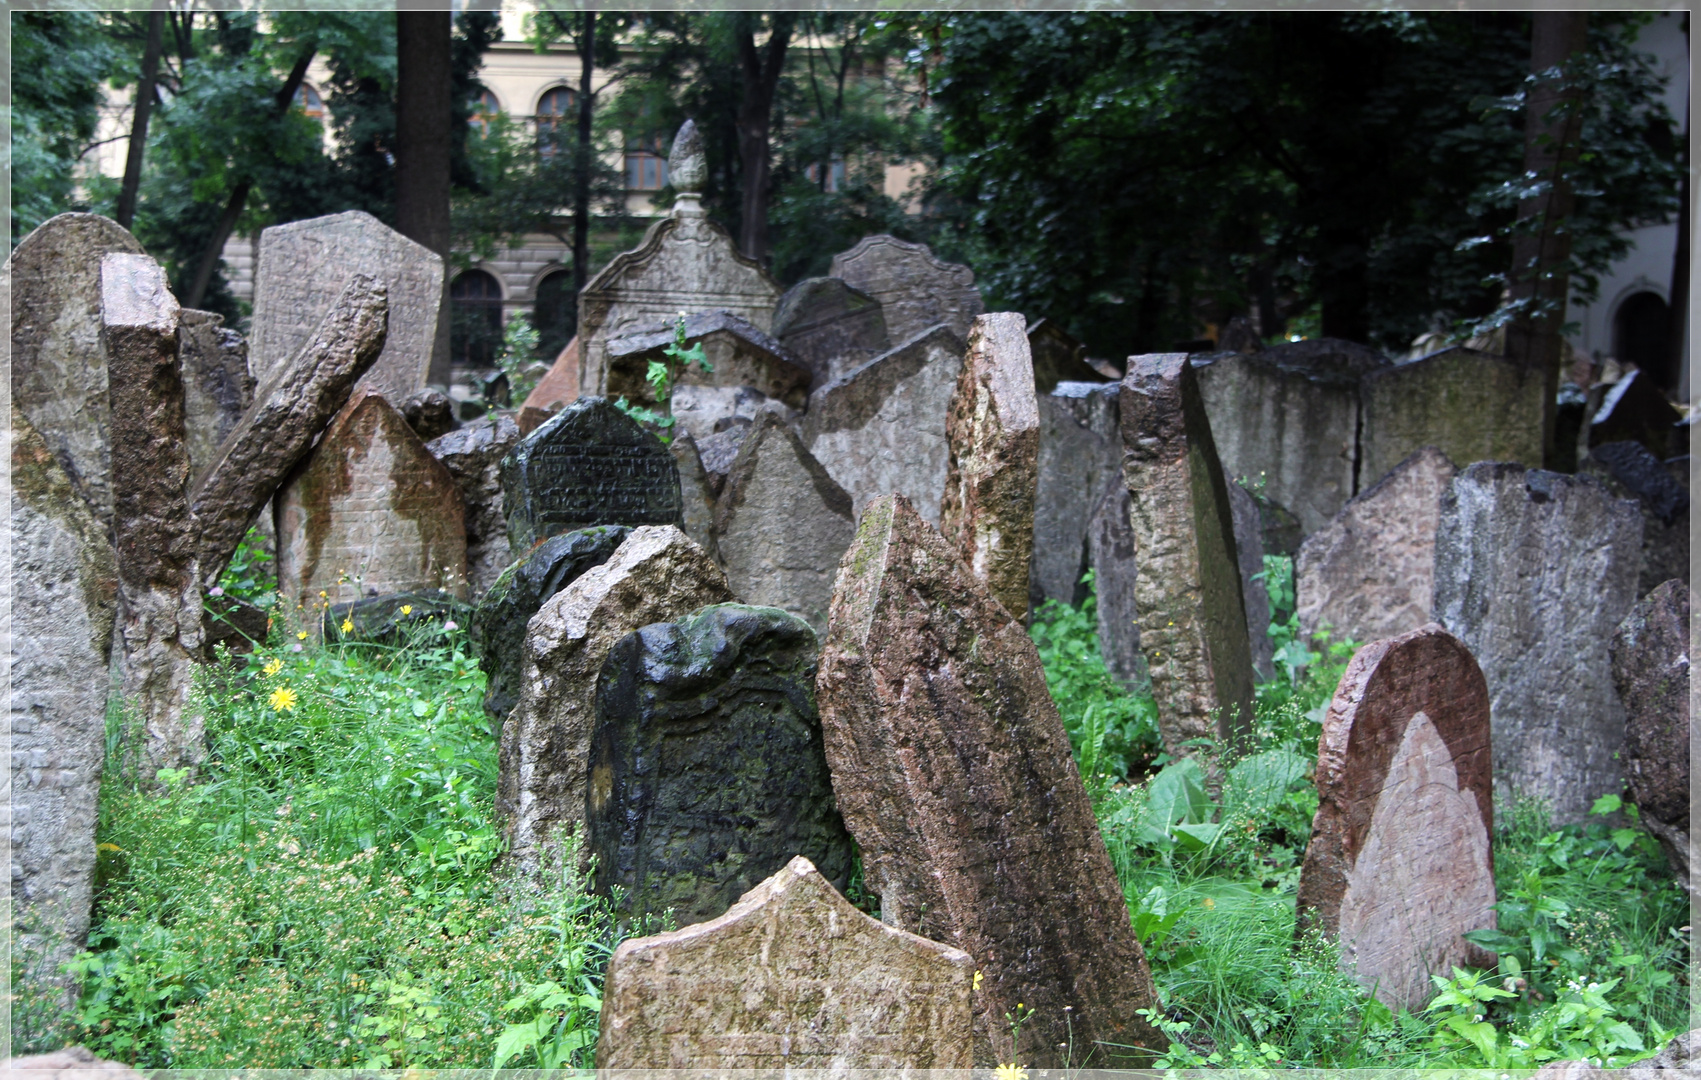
x=407, y=609
x=977, y=980
x=1011, y=1072
x=348, y=624
x=302, y=636
x=282, y=699
x=273, y=666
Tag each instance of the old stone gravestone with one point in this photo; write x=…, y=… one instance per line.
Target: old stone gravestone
x=707, y=773
x=217, y=388
x=371, y=513
x=1370, y=574
x=791, y=977
x=737, y=354
x=1110, y=549
x=1192, y=615
x=473, y=455
x=954, y=774
x=558, y=388
x=590, y=465
x=656, y=575
x=1401, y=862
x=881, y=430
x=58, y=355
x=1058, y=357
x=832, y=327
x=1630, y=471
x=703, y=412
x=1650, y=668
x=1533, y=572
x=302, y=270
x=697, y=494
x=1254, y=595
x=915, y=290
x=782, y=524
x=1080, y=450
x=430, y=412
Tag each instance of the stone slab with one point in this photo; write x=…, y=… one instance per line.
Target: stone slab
x=1059, y=357
x=559, y=387
x=697, y=494
x=1111, y=548
x=1255, y=597
x=473, y=455
x=915, y=290
x=831, y=326
x=1650, y=669
x=737, y=355
x=703, y=412
x=1630, y=471
x=217, y=388
x=1080, y=450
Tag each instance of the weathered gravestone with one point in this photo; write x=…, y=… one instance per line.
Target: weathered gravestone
x=590, y=465
x=881, y=430
x=1080, y=450
x=1058, y=357
x=1533, y=572
x=1650, y=668
x=1630, y=471
x=473, y=455
x=703, y=412
x=707, y=773
x=1472, y=406
x=915, y=290
x=499, y=623
x=832, y=327
x=58, y=355
x=64, y=596
x=782, y=524
x=430, y=412
x=1401, y=862
x=697, y=494
x=1370, y=574
x=954, y=774
x=1192, y=616
x=718, y=452
x=558, y=388
x=217, y=388
x=791, y=977
x=737, y=355
x=1254, y=595
x=371, y=513
x=302, y=270
x=656, y=575
x=1634, y=410
x=1110, y=548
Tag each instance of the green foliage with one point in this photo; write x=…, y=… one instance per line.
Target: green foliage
x=519, y=352
x=661, y=375
x=249, y=576
x=58, y=62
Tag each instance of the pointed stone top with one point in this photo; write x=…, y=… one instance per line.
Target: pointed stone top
x=686, y=167
x=133, y=292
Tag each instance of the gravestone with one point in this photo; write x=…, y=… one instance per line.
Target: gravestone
x=656, y=575
x=782, y=524
x=697, y=494
x=703, y=412
x=498, y=625
x=1110, y=549
x=881, y=430
x=558, y=388
x=217, y=388
x=1472, y=406
x=1058, y=357
x=737, y=354
x=1401, y=858
x=1192, y=615
x=1533, y=572
x=707, y=773
x=395, y=618
x=1080, y=450
x=1630, y=471
x=832, y=327
x=954, y=774
x=1650, y=669
x=915, y=290
x=791, y=977
x=290, y=409
x=63, y=603
x=589, y=465
x=718, y=452
x=430, y=413
x=58, y=356
x=530, y=419
x=301, y=273
x=371, y=513
x=1634, y=410
x=473, y=455
x=1370, y=574
x=1255, y=597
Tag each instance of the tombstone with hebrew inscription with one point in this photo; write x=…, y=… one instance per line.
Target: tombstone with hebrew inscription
x=915, y=289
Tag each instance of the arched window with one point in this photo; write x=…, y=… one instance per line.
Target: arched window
x=310, y=103
x=1639, y=336
x=485, y=108
x=475, y=313
x=557, y=113
x=646, y=168
x=556, y=314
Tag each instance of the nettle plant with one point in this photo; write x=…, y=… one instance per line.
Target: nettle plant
x=662, y=375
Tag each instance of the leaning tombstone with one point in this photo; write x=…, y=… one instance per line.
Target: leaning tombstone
x=1080, y=450
x=217, y=388
x=697, y=494
x=303, y=268
x=1630, y=471
x=1370, y=574
x=702, y=412
x=1650, y=668
x=1192, y=616
x=782, y=524
x=656, y=575
x=735, y=355
x=830, y=326
x=589, y=465
x=1533, y=572
x=559, y=386
x=707, y=773
x=1255, y=596
x=790, y=977
x=954, y=775
x=1058, y=357
x=915, y=290
x=1110, y=549
x=1401, y=864
x=473, y=455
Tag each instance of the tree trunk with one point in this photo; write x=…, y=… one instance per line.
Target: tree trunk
x=761, y=70
x=139, y=118
x=1542, y=245
x=424, y=146
x=582, y=166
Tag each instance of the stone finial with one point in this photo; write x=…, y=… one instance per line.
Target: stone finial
x=686, y=167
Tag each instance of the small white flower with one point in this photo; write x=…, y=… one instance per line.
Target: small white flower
x=451, y=625
x=296, y=647
x=215, y=591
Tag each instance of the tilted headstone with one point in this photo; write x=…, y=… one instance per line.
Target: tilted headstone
x=1192, y=616
x=217, y=388
x=1630, y=471
x=881, y=430
x=1401, y=863
x=1650, y=669
x=1533, y=572
x=954, y=774
x=656, y=575
x=705, y=411
x=1634, y=410
x=791, y=977
x=718, y=452
x=302, y=270
x=372, y=513
x=1472, y=406
x=473, y=455
x=915, y=290
x=64, y=598
x=1110, y=548
x=737, y=355
x=697, y=494
x=1370, y=573
x=707, y=773
x=1080, y=450
x=159, y=593
x=831, y=327
x=992, y=432
x=1058, y=357
x=58, y=356
x=1254, y=595
x=590, y=465
x=558, y=388
x=782, y=524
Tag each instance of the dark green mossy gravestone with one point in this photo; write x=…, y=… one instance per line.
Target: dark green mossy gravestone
x=590, y=464
x=707, y=768
x=499, y=623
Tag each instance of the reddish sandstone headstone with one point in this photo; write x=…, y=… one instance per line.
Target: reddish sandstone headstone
x=953, y=773
x=1401, y=862
x=558, y=388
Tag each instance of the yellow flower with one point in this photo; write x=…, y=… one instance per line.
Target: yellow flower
x=407, y=609
x=282, y=699
x=302, y=636
x=348, y=624
x=108, y=847
x=1210, y=903
x=1011, y=1072
x=273, y=666
x=977, y=980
